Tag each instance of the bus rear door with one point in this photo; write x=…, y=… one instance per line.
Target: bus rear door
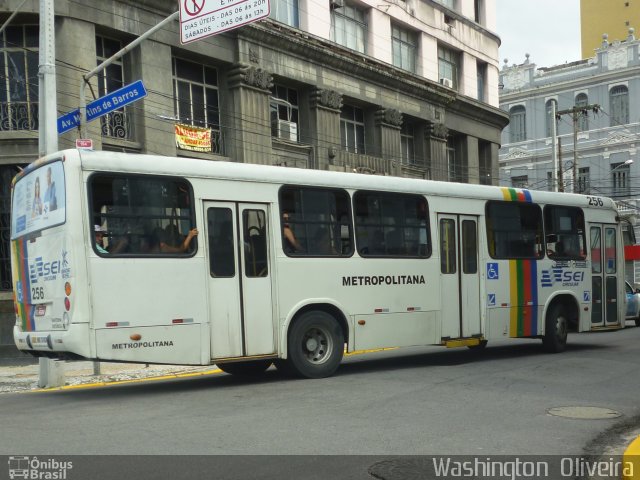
x=240, y=305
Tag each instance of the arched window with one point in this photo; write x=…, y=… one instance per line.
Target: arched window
x=583, y=117
x=619, y=105
x=517, y=124
x=550, y=118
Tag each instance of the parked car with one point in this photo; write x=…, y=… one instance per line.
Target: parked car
x=633, y=303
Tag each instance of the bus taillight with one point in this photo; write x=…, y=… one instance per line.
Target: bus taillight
x=67, y=289
x=67, y=304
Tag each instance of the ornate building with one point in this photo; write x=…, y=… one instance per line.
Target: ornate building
x=389, y=87
x=604, y=93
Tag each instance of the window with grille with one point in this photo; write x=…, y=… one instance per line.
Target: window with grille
x=348, y=27
x=620, y=180
x=115, y=124
x=19, y=78
x=195, y=90
x=584, y=183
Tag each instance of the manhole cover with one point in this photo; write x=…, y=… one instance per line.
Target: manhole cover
x=584, y=413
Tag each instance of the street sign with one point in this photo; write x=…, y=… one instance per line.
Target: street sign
x=84, y=144
x=203, y=18
x=104, y=105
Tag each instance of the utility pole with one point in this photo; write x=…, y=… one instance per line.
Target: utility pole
x=48, y=105
x=575, y=112
x=560, y=172
x=554, y=138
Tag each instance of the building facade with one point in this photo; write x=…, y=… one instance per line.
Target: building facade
x=396, y=87
x=598, y=125
x=612, y=17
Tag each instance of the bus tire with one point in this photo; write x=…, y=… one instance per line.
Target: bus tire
x=315, y=344
x=554, y=339
x=638, y=322
x=250, y=368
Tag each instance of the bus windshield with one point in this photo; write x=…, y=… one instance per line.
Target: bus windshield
x=38, y=200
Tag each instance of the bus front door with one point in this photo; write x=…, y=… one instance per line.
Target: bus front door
x=604, y=276
x=240, y=303
x=460, y=279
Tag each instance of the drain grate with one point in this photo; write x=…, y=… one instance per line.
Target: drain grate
x=584, y=413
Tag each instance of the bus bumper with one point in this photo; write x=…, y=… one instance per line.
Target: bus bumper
x=75, y=340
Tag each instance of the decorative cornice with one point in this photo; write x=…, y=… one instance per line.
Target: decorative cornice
x=516, y=153
x=389, y=116
x=326, y=98
x=437, y=130
x=618, y=137
x=333, y=56
x=242, y=74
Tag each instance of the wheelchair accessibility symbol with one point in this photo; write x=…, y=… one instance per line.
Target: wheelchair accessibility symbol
x=492, y=271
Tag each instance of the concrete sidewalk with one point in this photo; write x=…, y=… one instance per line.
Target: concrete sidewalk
x=23, y=377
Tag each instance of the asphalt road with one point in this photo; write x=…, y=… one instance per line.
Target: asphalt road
x=418, y=401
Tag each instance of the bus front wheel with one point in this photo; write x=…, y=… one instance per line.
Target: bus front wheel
x=315, y=345
x=251, y=368
x=556, y=328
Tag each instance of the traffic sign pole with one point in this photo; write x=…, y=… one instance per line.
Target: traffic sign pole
x=109, y=61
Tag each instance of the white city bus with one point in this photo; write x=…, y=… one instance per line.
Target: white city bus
x=375, y=262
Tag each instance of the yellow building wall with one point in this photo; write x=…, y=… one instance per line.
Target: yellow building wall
x=613, y=17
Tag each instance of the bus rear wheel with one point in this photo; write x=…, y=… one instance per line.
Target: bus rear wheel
x=556, y=329
x=315, y=345
x=251, y=368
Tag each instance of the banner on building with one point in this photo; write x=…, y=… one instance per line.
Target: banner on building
x=196, y=139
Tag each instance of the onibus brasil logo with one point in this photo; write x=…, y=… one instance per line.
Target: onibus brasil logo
x=37, y=469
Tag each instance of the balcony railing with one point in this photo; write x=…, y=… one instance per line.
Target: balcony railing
x=18, y=116
x=116, y=125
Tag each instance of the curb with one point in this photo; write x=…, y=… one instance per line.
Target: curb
x=631, y=458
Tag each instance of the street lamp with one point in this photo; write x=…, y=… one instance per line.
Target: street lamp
x=623, y=164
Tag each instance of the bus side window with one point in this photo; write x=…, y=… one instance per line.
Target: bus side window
x=565, y=232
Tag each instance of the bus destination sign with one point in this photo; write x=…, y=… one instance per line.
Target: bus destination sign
x=203, y=18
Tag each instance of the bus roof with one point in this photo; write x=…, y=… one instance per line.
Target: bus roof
x=192, y=167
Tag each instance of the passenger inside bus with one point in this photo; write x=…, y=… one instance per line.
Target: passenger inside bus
x=157, y=242
x=290, y=244
x=99, y=234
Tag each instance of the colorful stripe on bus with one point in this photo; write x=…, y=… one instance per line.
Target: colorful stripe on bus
x=22, y=282
x=523, y=283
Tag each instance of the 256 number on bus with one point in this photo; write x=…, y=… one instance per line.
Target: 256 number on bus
x=595, y=202
x=37, y=293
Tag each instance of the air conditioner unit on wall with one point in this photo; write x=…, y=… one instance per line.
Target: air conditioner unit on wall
x=284, y=130
x=446, y=82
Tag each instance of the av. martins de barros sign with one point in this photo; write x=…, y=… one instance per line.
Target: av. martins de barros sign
x=203, y=18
